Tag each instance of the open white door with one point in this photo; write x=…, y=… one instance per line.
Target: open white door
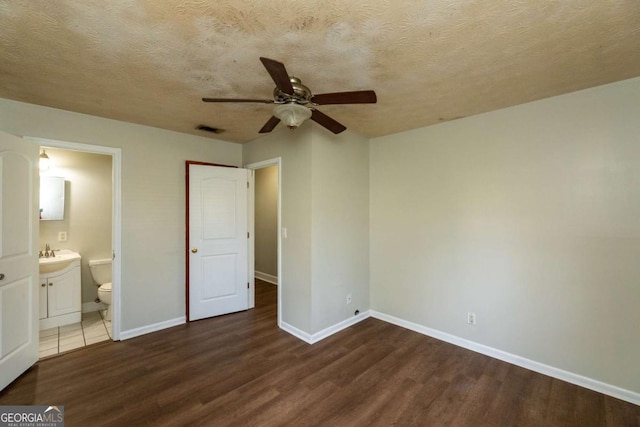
x=218, y=240
x=18, y=257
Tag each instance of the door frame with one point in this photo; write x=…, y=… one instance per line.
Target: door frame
x=276, y=161
x=116, y=214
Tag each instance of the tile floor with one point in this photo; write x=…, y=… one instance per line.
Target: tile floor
x=91, y=330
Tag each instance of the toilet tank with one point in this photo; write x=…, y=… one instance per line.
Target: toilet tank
x=100, y=270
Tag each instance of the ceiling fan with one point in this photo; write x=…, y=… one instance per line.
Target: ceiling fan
x=296, y=103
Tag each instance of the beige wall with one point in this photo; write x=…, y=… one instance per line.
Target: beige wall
x=87, y=220
x=340, y=226
x=527, y=216
x=325, y=210
x=266, y=220
x=153, y=199
x=295, y=278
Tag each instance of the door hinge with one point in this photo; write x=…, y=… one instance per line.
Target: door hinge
x=247, y=285
x=247, y=234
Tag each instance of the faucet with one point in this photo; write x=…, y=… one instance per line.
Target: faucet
x=46, y=250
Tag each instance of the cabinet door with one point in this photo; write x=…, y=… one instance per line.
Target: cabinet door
x=64, y=293
x=43, y=298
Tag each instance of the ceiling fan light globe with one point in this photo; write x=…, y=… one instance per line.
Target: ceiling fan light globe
x=292, y=115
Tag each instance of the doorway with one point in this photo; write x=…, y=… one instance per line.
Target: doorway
x=111, y=238
x=266, y=213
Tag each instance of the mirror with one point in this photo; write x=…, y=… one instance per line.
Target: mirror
x=51, y=198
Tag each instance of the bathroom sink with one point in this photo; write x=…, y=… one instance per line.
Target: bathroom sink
x=63, y=258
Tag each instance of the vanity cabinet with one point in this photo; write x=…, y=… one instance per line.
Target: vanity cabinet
x=60, y=295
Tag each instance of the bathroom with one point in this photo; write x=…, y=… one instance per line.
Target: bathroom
x=86, y=229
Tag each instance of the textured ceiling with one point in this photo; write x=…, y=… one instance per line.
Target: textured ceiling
x=151, y=61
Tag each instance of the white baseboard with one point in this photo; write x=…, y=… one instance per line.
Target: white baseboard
x=327, y=332
x=89, y=307
x=300, y=334
x=570, y=377
x=318, y=336
x=64, y=319
x=136, y=332
x=266, y=277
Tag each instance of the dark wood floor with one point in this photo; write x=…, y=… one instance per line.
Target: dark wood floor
x=240, y=369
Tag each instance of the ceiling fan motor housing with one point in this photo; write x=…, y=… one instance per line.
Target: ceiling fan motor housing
x=301, y=94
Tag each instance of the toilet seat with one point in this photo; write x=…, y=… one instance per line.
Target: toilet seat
x=105, y=287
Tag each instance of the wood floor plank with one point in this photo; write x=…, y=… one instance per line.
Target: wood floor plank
x=395, y=400
x=475, y=410
x=242, y=370
x=536, y=396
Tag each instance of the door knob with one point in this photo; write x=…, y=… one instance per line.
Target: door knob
x=43, y=285
x=1, y=276
x=50, y=284
x=194, y=250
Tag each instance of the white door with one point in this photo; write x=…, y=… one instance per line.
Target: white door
x=19, y=287
x=218, y=240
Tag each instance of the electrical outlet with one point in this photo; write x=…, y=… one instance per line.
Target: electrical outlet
x=62, y=236
x=471, y=318
x=348, y=298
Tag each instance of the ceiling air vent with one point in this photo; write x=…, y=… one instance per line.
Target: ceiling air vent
x=209, y=129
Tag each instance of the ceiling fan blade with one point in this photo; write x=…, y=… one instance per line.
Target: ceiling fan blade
x=356, y=97
x=326, y=121
x=271, y=123
x=263, y=101
x=279, y=74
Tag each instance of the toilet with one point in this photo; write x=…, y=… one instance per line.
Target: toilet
x=101, y=273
